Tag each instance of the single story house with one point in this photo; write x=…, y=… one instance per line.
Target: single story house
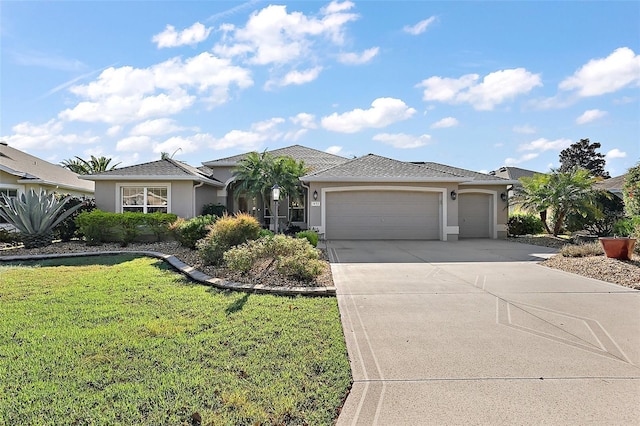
x=21, y=172
x=370, y=197
x=614, y=185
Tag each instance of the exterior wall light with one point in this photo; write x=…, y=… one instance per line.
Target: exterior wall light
x=275, y=194
x=503, y=196
x=315, y=195
x=454, y=195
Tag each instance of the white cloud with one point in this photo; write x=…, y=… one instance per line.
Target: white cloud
x=303, y=119
x=126, y=94
x=524, y=129
x=172, y=38
x=114, y=130
x=267, y=126
x=296, y=77
x=334, y=149
x=248, y=140
x=402, y=140
x=513, y=161
x=615, y=153
x=605, y=75
x=543, y=144
x=358, y=58
x=294, y=135
x=183, y=145
x=420, y=27
x=48, y=135
x=134, y=143
x=274, y=36
x=590, y=115
x=160, y=126
x=383, y=112
x=445, y=122
x=494, y=89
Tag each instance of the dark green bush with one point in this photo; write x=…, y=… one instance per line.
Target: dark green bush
x=227, y=232
x=265, y=233
x=599, y=222
x=214, y=209
x=188, y=232
x=311, y=236
x=67, y=229
x=99, y=227
x=524, y=224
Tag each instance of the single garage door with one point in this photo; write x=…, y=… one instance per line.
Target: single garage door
x=382, y=215
x=474, y=215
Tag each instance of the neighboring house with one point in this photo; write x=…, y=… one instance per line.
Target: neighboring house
x=21, y=172
x=614, y=185
x=166, y=186
x=514, y=174
x=370, y=197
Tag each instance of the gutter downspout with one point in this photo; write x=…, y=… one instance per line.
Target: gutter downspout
x=306, y=204
x=194, y=198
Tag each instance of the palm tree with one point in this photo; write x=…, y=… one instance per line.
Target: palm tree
x=257, y=173
x=562, y=192
x=87, y=167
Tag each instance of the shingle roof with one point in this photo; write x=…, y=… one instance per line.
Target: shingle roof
x=477, y=176
x=613, y=184
x=513, y=172
x=373, y=167
x=314, y=159
x=165, y=169
x=30, y=168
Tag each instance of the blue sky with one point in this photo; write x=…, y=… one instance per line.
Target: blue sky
x=476, y=85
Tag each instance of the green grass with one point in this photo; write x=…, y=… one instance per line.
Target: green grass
x=124, y=340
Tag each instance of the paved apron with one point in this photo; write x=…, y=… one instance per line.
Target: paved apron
x=475, y=332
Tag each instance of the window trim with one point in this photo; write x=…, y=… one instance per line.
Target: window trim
x=120, y=206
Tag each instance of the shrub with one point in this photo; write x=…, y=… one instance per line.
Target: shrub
x=67, y=229
x=265, y=233
x=299, y=267
x=214, y=209
x=188, y=232
x=9, y=236
x=227, y=232
x=311, y=236
x=599, y=221
x=582, y=250
x=99, y=227
x=523, y=224
x=627, y=227
x=293, y=257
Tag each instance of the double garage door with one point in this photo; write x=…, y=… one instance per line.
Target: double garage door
x=383, y=215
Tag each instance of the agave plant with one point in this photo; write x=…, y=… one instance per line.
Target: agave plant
x=35, y=215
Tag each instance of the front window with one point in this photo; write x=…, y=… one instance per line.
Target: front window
x=297, y=210
x=145, y=199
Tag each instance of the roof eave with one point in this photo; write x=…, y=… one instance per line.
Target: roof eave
x=56, y=184
x=491, y=182
x=215, y=163
x=140, y=178
x=380, y=179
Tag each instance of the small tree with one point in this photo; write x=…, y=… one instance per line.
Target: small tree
x=562, y=192
x=631, y=191
x=582, y=154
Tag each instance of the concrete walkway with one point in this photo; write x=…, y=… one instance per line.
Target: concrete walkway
x=475, y=332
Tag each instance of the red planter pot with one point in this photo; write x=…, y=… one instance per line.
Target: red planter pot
x=618, y=248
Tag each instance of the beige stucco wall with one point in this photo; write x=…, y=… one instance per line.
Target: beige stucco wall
x=181, y=196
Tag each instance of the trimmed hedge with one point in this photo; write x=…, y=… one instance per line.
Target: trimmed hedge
x=99, y=227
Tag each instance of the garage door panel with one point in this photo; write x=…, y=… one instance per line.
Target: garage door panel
x=382, y=215
x=474, y=215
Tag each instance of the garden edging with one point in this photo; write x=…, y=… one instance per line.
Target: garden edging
x=191, y=272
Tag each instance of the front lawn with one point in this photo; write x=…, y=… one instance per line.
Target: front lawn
x=124, y=340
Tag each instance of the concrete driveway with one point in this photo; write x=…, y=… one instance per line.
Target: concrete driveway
x=476, y=332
